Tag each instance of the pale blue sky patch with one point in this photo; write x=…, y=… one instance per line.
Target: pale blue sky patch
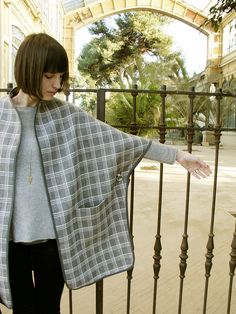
x=192, y=43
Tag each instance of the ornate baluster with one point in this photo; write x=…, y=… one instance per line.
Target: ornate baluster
x=208, y=265
x=101, y=100
x=134, y=132
x=210, y=244
x=157, y=245
x=129, y=279
x=130, y=271
x=232, y=265
x=182, y=267
x=99, y=297
x=70, y=302
x=184, y=245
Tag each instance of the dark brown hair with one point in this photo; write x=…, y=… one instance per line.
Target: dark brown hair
x=37, y=54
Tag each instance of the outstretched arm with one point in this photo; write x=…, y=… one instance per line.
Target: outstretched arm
x=169, y=154
x=198, y=168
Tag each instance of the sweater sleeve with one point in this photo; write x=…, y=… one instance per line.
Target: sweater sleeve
x=162, y=153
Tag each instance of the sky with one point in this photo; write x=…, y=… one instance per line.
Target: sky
x=191, y=42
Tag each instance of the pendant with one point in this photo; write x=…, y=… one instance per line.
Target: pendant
x=30, y=179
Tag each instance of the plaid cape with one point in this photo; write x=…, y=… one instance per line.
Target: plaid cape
x=86, y=166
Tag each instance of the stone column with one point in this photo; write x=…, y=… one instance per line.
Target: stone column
x=213, y=70
x=69, y=45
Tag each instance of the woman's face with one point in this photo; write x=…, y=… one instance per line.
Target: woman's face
x=51, y=83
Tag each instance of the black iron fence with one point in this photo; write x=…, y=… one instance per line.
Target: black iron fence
x=215, y=122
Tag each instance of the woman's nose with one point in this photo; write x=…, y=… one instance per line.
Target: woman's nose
x=57, y=82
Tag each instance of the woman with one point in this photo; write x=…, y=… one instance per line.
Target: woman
x=63, y=187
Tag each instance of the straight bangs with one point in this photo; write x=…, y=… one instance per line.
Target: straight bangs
x=57, y=62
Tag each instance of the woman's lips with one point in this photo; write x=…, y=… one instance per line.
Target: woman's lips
x=52, y=93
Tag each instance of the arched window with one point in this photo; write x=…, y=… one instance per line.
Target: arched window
x=17, y=37
x=229, y=37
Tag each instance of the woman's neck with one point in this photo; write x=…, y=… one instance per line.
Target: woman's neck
x=24, y=100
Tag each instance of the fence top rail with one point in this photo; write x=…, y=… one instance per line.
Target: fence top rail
x=147, y=91
x=155, y=91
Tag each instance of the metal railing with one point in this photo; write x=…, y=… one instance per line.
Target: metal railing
x=163, y=128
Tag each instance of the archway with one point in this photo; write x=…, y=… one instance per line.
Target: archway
x=78, y=16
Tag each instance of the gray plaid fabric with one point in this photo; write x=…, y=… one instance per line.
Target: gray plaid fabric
x=87, y=166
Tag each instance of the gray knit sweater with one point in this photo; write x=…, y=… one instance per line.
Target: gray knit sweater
x=31, y=221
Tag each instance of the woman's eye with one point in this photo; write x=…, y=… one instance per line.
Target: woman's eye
x=48, y=76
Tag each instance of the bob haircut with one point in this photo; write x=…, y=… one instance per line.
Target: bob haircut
x=39, y=54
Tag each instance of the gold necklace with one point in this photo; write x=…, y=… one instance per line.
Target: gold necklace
x=30, y=178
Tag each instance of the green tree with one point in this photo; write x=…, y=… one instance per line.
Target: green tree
x=116, y=52
x=133, y=49
x=217, y=11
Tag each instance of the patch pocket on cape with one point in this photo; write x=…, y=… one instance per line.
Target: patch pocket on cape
x=93, y=221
